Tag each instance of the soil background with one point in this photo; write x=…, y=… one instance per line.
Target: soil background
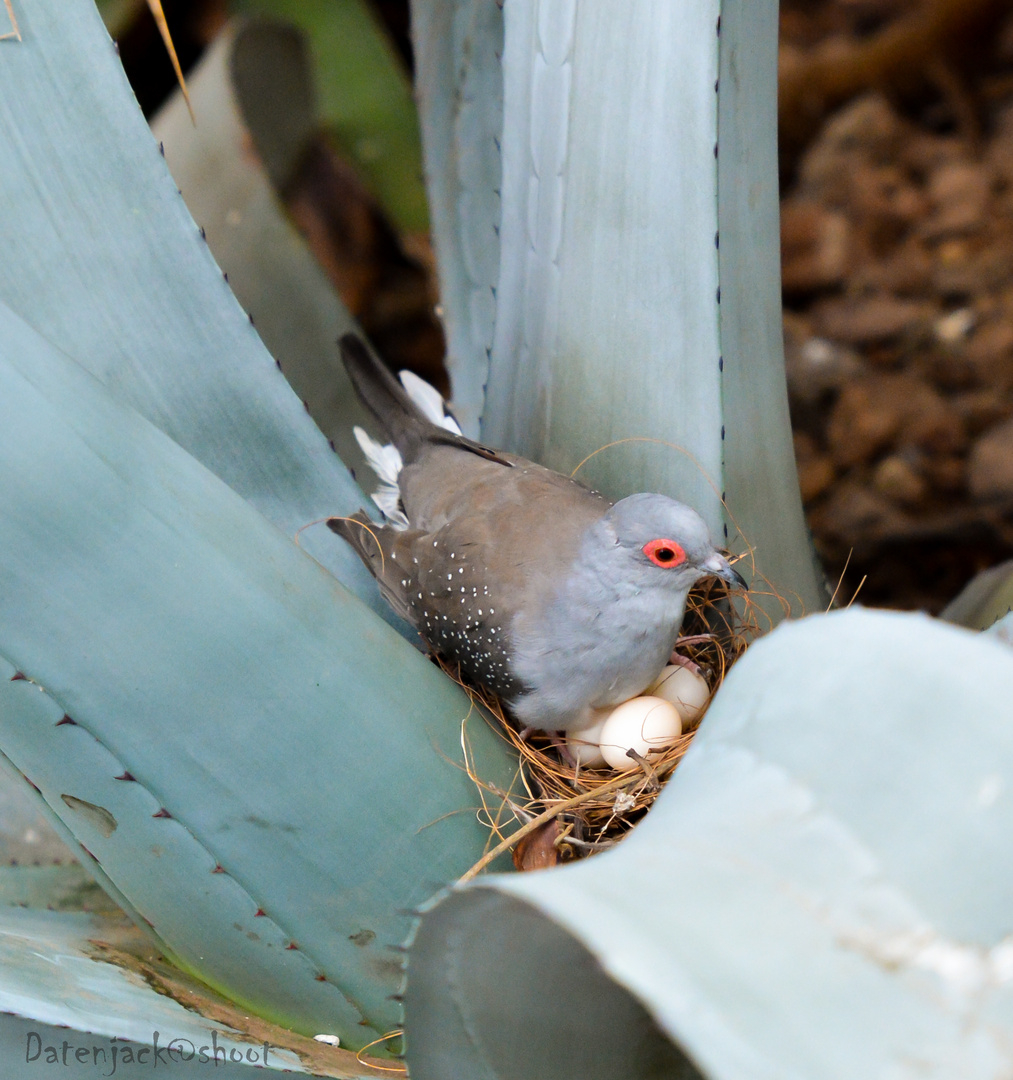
x=897, y=268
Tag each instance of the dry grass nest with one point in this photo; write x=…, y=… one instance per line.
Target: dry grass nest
x=557, y=811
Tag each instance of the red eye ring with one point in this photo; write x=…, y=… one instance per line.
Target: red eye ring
x=665, y=553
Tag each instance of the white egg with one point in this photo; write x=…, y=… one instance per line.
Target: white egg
x=583, y=744
x=687, y=691
x=640, y=724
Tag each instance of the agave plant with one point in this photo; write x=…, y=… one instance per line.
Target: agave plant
x=246, y=749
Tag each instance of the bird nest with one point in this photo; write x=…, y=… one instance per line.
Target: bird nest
x=556, y=810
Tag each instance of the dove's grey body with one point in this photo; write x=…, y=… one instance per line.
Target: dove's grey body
x=539, y=588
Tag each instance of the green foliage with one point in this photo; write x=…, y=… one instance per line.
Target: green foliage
x=119, y=14
x=365, y=98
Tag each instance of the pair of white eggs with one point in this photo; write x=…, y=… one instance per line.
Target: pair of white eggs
x=649, y=722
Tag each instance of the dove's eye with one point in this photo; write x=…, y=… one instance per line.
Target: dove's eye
x=665, y=553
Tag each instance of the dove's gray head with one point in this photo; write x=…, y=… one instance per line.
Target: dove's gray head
x=665, y=544
x=609, y=623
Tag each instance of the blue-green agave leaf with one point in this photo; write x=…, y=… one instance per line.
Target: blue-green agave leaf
x=26, y=835
x=459, y=88
x=51, y=973
x=102, y=257
x=984, y=600
x=760, y=481
x=1003, y=628
x=265, y=771
x=87, y=994
x=58, y=887
x=823, y=890
x=607, y=222
x=637, y=286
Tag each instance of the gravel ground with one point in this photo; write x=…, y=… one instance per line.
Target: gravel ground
x=897, y=263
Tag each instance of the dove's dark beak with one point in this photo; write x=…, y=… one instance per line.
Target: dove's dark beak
x=720, y=567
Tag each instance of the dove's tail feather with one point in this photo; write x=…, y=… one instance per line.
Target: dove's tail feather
x=412, y=415
x=386, y=460
x=384, y=396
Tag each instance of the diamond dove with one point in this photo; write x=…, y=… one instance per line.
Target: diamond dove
x=546, y=593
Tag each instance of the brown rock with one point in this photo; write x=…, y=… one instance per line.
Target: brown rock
x=867, y=129
x=999, y=152
x=991, y=339
x=970, y=267
x=989, y=354
x=959, y=193
x=953, y=327
x=907, y=203
x=896, y=478
x=815, y=477
x=879, y=411
x=950, y=369
x=946, y=474
x=864, y=421
x=815, y=367
x=906, y=270
x=929, y=422
x=884, y=202
x=815, y=246
x=857, y=516
x=990, y=465
x=981, y=409
x=867, y=320
x=923, y=153
x=815, y=469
